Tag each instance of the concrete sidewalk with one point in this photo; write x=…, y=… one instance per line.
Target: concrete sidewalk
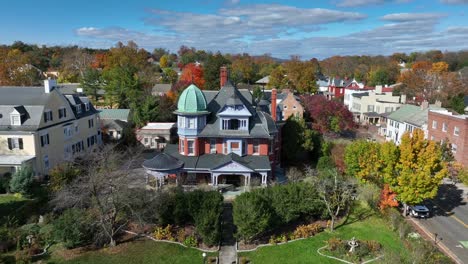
x=227, y=252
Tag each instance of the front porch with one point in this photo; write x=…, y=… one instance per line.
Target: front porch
x=9, y=164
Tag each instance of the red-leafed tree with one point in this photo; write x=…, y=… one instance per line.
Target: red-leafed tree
x=327, y=116
x=193, y=73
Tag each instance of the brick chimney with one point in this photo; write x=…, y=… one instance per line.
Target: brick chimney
x=273, y=103
x=223, y=76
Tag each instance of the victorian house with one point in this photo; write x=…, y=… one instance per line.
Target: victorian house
x=223, y=139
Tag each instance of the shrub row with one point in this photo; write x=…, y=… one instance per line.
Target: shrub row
x=264, y=209
x=201, y=208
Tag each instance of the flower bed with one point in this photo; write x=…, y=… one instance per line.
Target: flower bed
x=283, y=236
x=185, y=236
x=365, y=251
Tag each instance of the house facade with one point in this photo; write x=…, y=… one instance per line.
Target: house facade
x=40, y=127
x=113, y=123
x=407, y=119
x=367, y=106
x=156, y=135
x=446, y=126
x=223, y=137
x=287, y=104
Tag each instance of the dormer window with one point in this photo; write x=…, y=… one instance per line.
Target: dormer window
x=87, y=107
x=234, y=124
x=17, y=116
x=15, y=120
x=62, y=112
x=48, y=116
x=78, y=108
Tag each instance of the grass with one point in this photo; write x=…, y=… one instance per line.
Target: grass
x=360, y=225
x=139, y=251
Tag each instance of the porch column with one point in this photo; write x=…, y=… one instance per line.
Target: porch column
x=264, y=178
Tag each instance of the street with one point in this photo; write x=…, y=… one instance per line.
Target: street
x=448, y=223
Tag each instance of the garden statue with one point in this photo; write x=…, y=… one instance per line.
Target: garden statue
x=353, y=244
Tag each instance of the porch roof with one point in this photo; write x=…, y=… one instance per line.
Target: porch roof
x=163, y=162
x=14, y=160
x=212, y=161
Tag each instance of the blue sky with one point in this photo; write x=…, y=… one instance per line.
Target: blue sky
x=282, y=28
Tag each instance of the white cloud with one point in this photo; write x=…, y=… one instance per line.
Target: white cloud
x=283, y=30
x=354, y=3
x=406, y=17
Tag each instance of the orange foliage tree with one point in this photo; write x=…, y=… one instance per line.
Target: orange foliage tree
x=193, y=73
x=387, y=198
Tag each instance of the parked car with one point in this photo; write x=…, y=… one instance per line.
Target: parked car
x=419, y=211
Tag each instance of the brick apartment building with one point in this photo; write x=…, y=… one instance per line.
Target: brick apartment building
x=444, y=125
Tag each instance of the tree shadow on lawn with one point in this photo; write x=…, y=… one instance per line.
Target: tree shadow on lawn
x=448, y=198
x=357, y=213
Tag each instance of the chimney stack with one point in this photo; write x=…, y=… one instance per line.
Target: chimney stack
x=273, y=103
x=49, y=85
x=223, y=76
x=424, y=105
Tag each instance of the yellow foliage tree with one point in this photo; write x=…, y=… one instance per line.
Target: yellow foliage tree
x=420, y=169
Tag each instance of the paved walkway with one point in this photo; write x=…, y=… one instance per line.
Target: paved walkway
x=227, y=252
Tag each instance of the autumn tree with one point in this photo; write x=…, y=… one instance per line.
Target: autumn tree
x=362, y=161
x=387, y=198
x=164, y=61
x=74, y=64
x=244, y=67
x=278, y=78
x=193, y=73
x=425, y=80
x=15, y=68
x=169, y=76
x=301, y=75
x=327, y=116
x=420, y=169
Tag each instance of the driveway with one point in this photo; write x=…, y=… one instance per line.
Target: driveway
x=449, y=220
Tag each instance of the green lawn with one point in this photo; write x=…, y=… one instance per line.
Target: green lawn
x=305, y=251
x=140, y=251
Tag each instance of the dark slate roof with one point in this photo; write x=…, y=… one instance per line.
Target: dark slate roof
x=113, y=124
x=261, y=124
x=71, y=88
x=30, y=122
x=75, y=99
x=212, y=161
x=234, y=100
x=163, y=162
x=30, y=101
x=23, y=96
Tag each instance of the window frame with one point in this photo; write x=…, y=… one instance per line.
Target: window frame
x=15, y=117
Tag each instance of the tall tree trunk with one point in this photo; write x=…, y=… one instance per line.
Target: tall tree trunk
x=332, y=224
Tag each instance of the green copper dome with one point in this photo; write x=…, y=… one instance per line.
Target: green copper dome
x=191, y=101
